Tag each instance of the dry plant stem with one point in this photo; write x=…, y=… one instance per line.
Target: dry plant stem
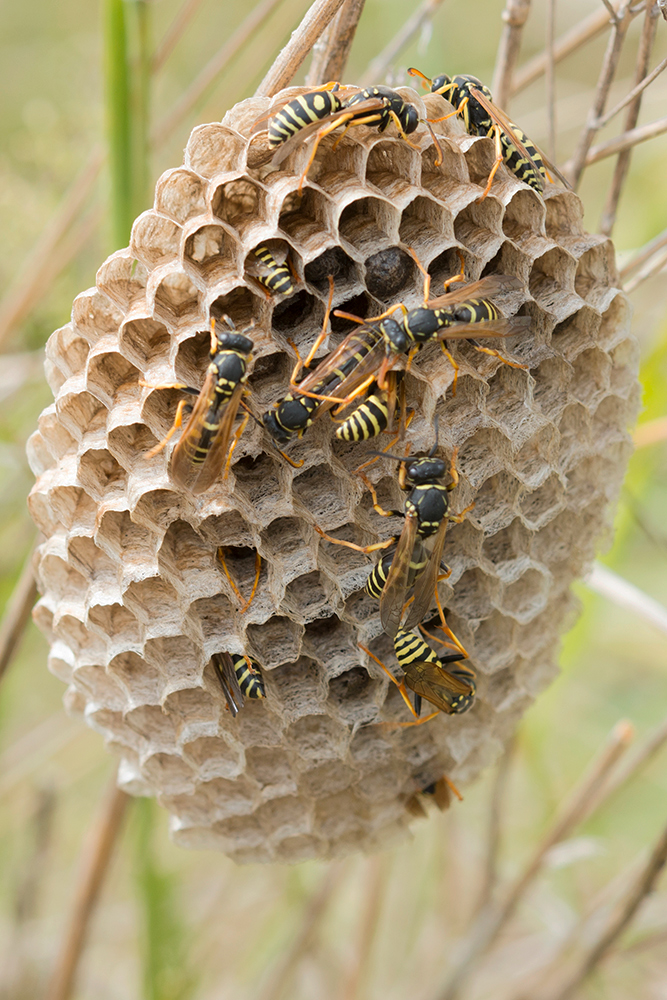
x=582, y=800
x=216, y=65
x=574, y=169
x=587, y=29
x=623, y=163
x=374, y=897
x=629, y=98
x=22, y=294
x=651, y=433
x=626, y=140
x=31, y=884
x=494, y=827
x=641, y=888
x=377, y=69
x=331, y=52
x=514, y=16
x=94, y=864
x=625, y=595
x=312, y=915
x=17, y=613
x=314, y=22
x=643, y=255
x=174, y=33
x=655, y=264
x=643, y=755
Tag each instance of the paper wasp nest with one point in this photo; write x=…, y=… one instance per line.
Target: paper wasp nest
x=135, y=601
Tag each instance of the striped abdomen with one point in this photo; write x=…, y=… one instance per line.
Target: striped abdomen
x=411, y=648
x=248, y=676
x=368, y=420
x=278, y=279
x=303, y=110
x=470, y=311
x=377, y=577
x=522, y=168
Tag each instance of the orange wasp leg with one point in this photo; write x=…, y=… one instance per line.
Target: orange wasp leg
x=366, y=549
x=245, y=604
x=235, y=440
x=178, y=422
x=404, y=694
x=494, y=168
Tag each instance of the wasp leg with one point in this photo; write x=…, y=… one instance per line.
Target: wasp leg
x=235, y=440
x=223, y=563
x=494, y=168
x=450, y=358
x=496, y=354
x=323, y=332
x=445, y=627
x=451, y=113
x=396, y=120
x=427, y=276
x=318, y=139
x=178, y=422
x=404, y=694
x=376, y=506
x=258, y=569
x=366, y=549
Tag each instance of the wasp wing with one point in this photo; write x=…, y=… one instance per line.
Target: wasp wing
x=340, y=117
x=428, y=680
x=427, y=580
x=394, y=590
x=224, y=668
x=181, y=460
x=485, y=288
x=198, y=476
x=486, y=328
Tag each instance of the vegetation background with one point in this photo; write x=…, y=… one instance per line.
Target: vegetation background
x=173, y=925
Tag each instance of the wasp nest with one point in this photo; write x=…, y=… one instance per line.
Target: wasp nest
x=135, y=601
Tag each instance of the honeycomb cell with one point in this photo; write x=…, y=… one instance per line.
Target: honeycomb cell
x=307, y=225
x=155, y=239
x=213, y=149
x=239, y=203
x=369, y=223
x=180, y=194
x=425, y=225
x=144, y=340
x=175, y=297
x=388, y=273
x=211, y=251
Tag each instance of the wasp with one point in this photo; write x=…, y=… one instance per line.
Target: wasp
x=204, y=446
x=376, y=413
x=240, y=678
x=425, y=516
x=444, y=680
x=274, y=276
x=439, y=791
x=323, y=111
x=474, y=103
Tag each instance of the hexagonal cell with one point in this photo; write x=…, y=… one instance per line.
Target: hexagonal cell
x=94, y=316
x=144, y=340
x=213, y=758
x=495, y=503
x=73, y=506
x=596, y=271
x=176, y=298
x=326, y=779
x=227, y=529
x=108, y=373
x=306, y=220
x=393, y=168
x=155, y=239
x=80, y=412
x=211, y=250
x=389, y=272
x=318, y=738
x=359, y=305
x=524, y=211
x=186, y=560
x=213, y=149
x=129, y=444
x=270, y=767
x=479, y=227
x=334, y=263
x=475, y=594
x=321, y=494
x=564, y=213
x=542, y=505
x=447, y=265
x=66, y=352
x=340, y=814
x=116, y=622
x=211, y=618
x=552, y=281
x=258, y=482
x=277, y=641
x=65, y=582
x=424, y=226
x=175, y=657
x=297, y=316
x=335, y=172
x=170, y=772
x=485, y=454
x=615, y=322
x=194, y=711
x=369, y=223
x=305, y=597
x=123, y=279
x=100, y=473
x=139, y=679
x=527, y=596
x=298, y=688
x=625, y=360
x=155, y=604
x=591, y=376
x=241, y=307
x=180, y=194
x=551, y=381
x=534, y=460
x=353, y=695
x=239, y=203
x=241, y=566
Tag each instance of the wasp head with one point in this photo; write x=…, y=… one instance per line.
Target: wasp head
x=424, y=470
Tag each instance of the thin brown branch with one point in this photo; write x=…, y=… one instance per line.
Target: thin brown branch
x=643, y=754
x=575, y=167
x=643, y=885
x=17, y=613
x=212, y=70
x=22, y=294
x=514, y=16
x=646, y=252
x=374, y=895
x=651, y=432
x=94, y=864
x=587, y=29
x=314, y=22
x=578, y=806
x=494, y=825
x=377, y=69
x=640, y=88
x=656, y=263
x=331, y=51
x=623, y=163
x=174, y=33
x=310, y=923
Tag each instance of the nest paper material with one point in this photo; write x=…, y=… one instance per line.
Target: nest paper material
x=134, y=598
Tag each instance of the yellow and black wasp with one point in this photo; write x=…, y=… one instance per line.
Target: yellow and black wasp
x=474, y=103
x=444, y=680
x=320, y=112
x=203, y=449
x=240, y=678
x=274, y=276
x=376, y=413
x=439, y=792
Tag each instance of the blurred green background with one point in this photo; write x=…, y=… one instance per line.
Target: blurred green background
x=174, y=925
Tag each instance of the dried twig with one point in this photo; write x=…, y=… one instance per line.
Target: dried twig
x=213, y=68
x=93, y=868
x=515, y=15
x=377, y=69
x=587, y=29
x=315, y=20
x=625, y=595
x=626, y=140
x=623, y=163
x=642, y=886
x=174, y=33
x=374, y=896
x=574, y=168
x=493, y=830
x=331, y=51
x=17, y=613
x=651, y=432
x=660, y=68
x=310, y=922
x=584, y=798
x=656, y=264
x=646, y=252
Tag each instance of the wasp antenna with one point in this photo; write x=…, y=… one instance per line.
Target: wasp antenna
x=425, y=80
x=386, y=454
